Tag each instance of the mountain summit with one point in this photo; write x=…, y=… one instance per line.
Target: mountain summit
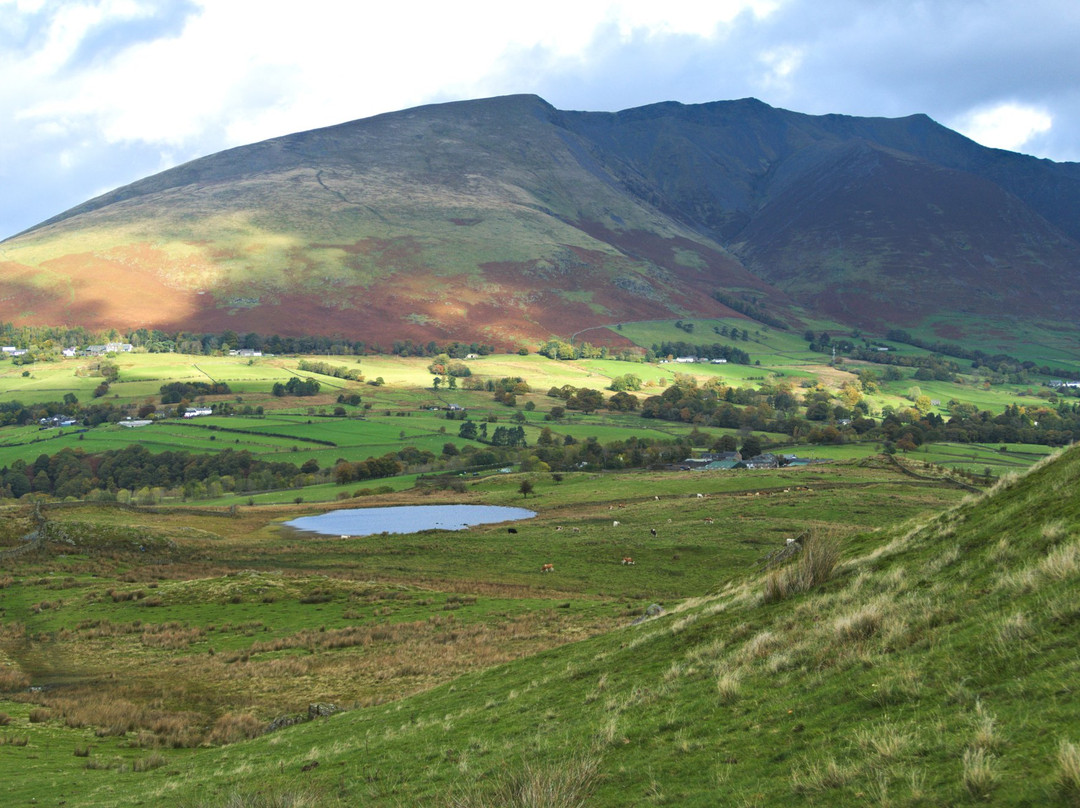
x=508, y=221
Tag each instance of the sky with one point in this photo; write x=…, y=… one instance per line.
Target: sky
x=95, y=94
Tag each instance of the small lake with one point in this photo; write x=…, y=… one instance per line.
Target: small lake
x=405, y=519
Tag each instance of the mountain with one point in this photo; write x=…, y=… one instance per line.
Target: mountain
x=508, y=221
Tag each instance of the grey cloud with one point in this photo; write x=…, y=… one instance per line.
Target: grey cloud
x=114, y=36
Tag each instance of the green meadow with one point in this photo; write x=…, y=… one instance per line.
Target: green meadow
x=867, y=629
x=915, y=652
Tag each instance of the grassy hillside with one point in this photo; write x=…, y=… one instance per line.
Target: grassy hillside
x=891, y=662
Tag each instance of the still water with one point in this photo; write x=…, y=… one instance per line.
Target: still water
x=405, y=519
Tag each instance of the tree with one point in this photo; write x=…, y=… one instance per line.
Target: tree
x=526, y=488
x=751, y=447
x=586, y=400
x=725, y=443
x=628, y=381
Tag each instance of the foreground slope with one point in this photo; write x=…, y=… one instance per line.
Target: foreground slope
x=507, y=221
x=932, y=664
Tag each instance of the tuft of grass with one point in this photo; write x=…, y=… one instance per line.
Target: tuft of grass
x=233, y=727
x=885, y=741
x=727, y=686
x=986, y=734
x=1068, y=772
x=264, y=798
x=978, y=775
x=12, y=680
x=566, y=785
x=1062, y=563
x=812, y=567
x=155, y=760
x=860, y=624
x=818, y=777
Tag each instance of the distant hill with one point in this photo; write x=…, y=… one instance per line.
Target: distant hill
x=508, y=221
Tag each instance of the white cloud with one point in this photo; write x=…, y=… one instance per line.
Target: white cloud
x=780, y=65
x=1004, y=126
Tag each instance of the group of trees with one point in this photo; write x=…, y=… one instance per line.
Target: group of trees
x=326, y=369
x=74, y=473
x=703, y=351
x=500, y=436
x=754, y=308
x=558, y=349
x=444, y=365
x=373, y=468
x=296, y=387
x=47, y=342
x=175, y=392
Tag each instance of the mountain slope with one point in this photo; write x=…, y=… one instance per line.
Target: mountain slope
x=867, y=220
x=508, y=221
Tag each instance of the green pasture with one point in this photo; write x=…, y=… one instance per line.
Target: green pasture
x=296, y=430
x=213, y=638
x=993, y=398
x=1041, y=344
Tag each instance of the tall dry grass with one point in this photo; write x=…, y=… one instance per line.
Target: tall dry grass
x=979, y=775
x=12, y=679
x=1067, y=776
x=567, y=784
x=813, y=566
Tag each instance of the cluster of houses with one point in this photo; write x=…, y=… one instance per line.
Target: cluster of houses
x=89, y=350
x=1056, y=384
x=57, y=421
x=712, y=461
x=690, y=360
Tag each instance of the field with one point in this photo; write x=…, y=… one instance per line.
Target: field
x=194, y=652
x=404, y=408
x=156, y=631
x=148, y=634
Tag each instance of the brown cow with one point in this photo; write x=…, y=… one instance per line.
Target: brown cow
x=548, y=568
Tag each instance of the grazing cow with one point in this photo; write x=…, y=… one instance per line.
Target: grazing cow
x=701, y=496
x=653, y=531
x=615, y=523
x=558, y=527
x=511, y=530
x=575, y=530
x=628, y=561
x=708, y=520
x=548, y=568
x=657, y=498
